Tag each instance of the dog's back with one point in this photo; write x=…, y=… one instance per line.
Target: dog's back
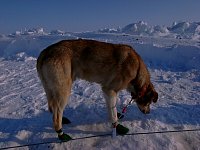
x=91, y=60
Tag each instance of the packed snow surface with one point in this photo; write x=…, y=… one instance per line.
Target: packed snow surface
x=174, y=65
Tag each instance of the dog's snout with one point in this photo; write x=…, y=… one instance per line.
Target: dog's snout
x=146, y=111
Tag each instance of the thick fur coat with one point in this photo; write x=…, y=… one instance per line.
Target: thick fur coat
x=113, y=66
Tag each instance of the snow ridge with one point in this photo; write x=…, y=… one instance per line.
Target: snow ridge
x=179, y=30
x=189, y=30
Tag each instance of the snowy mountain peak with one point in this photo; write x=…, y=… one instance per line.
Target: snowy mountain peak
x=189, y=27
x=139, y=28
x=142, y=28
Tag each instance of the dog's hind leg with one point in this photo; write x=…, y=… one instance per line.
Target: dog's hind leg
x=57, y=83
x=57, y=102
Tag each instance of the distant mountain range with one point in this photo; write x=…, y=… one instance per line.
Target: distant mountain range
x=179, y=30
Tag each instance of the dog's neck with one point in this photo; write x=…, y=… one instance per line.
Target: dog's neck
x=138, y=92
x=141, y=81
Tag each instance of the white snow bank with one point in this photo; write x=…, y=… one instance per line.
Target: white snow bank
x=178, y=56
x=30, y=44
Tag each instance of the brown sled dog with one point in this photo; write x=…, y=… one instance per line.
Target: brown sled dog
x=113, y=66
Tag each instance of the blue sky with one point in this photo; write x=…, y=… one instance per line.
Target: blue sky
x=84, y=15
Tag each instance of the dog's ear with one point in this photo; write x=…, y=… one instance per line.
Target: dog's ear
x=132, y=90
x=155, y=96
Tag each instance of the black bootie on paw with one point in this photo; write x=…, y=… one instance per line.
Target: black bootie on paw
x=121, y=130
x=62, y=136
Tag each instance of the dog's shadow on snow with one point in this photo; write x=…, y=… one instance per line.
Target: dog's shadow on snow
x=87, y=119
x=39, y=128
x=96, y=121
x=26, y=130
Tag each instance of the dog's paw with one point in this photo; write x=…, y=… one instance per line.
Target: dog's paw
x=64, y=137
x=121, y=130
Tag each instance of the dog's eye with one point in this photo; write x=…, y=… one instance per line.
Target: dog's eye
x=150, y=95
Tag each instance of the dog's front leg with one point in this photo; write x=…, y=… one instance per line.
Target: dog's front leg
x=111, y=99
x=111, y=102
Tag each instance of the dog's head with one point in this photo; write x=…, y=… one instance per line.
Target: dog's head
x=144, y=97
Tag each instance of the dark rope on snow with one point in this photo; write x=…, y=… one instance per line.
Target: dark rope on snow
x=102, y=135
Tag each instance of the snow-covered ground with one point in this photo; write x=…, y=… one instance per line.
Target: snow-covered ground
x=174, y=64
